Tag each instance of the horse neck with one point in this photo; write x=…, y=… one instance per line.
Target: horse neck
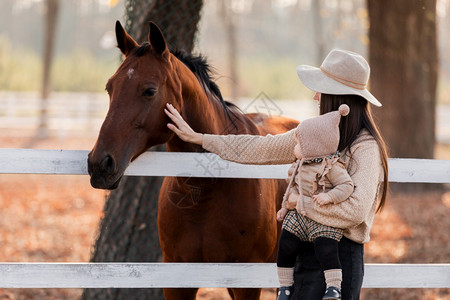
x=199, y=109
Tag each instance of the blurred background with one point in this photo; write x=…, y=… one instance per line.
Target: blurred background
x=56, y=56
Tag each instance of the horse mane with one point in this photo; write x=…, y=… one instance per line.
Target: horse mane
x=201, y=68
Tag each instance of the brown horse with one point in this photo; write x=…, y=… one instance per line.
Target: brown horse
x=199, y=219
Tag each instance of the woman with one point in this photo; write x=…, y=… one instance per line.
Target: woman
x=319, y=173
x=341, y=79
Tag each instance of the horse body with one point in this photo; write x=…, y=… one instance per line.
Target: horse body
x=199, y=219
x=220, y=225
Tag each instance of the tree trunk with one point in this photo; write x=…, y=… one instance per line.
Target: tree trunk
x=128, y=231
x=404, y=63
x=178, y=20
x=51, y=16
x=403, y=59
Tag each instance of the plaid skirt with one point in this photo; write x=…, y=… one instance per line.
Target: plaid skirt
x=308, y=230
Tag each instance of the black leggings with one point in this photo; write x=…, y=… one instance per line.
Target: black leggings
x=309, y=279
x=290, y=245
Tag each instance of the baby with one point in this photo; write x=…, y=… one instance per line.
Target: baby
x=319, y=173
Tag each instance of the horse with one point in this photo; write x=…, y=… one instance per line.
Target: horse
x=199, y=219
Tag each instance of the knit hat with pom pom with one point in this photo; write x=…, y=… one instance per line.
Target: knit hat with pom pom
x=319, y=136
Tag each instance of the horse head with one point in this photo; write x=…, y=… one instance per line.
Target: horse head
x=138, y=91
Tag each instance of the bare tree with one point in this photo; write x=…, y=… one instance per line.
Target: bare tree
x=51, y=16
x=404, y=62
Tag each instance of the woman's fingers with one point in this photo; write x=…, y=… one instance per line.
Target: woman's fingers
x=173, y=114
x=175, y=111
x=180, y=127
x=178, y=120
x=174, y=128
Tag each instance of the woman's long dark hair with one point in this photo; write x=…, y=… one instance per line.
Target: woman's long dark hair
x=360, y=117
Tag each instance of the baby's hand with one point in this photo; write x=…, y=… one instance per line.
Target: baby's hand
x=322, y=199
x=281, y=214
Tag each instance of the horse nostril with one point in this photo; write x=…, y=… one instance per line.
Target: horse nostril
x=107, y=164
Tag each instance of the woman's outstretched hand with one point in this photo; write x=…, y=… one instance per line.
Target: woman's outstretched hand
x=181, y=128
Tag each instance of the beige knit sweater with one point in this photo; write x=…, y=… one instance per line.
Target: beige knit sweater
x=363, y=163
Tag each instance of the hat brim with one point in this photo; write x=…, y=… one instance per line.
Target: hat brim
x=314, y=79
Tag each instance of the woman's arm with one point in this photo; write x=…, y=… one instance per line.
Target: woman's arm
x=246, y=149
x=365, y=173
x=253, y=149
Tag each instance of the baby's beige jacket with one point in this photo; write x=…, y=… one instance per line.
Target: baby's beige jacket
x=329, y=175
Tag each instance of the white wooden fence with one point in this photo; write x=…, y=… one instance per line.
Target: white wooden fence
x=153, y=275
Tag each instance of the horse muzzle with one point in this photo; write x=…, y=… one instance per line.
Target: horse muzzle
x=104, y=172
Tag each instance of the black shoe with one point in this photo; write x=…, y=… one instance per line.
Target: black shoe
x=332, y=293
x=284, y=293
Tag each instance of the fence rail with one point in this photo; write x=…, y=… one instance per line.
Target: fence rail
x=153, y=275
x=190, y=275
x=64, y=162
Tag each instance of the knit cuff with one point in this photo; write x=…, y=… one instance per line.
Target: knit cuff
x=285, y=276
x=209, y=143
x=333, y=277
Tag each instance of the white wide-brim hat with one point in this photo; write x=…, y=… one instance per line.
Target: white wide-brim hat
x=341, y=73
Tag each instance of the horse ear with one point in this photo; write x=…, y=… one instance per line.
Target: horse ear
x=124, y=41
x=156, y=38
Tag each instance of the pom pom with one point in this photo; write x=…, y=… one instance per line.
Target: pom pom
x=344, y=110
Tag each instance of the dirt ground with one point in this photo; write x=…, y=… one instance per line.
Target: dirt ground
x=47, y=218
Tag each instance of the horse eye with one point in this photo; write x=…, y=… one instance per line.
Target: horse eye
x=149, y=92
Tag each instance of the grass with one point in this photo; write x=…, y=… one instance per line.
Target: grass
x=19, y=69
x=78, y=71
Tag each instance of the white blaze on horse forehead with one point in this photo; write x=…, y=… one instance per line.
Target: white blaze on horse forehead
x=130, y=73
